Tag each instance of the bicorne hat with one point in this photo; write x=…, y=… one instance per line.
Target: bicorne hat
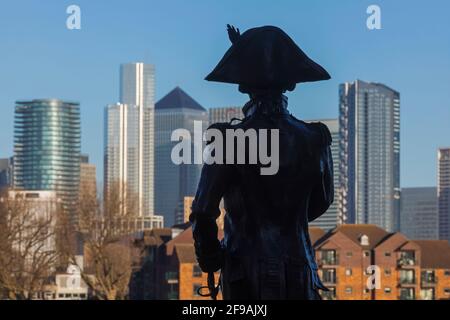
x=265, y=58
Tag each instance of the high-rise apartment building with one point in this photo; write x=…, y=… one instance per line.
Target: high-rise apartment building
x=444, y=193
x=330, y=218
x=419, y=213
x=129, y=138
x=369, y=124
x=47, y=148
x=176, y=110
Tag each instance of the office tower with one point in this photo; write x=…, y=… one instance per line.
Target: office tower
x=330, y=218
x=225, y=114
x=129, y=137
x=369, y=124
x=88, y=180
x=419, y=213
x=177, y=110
x=47, y=148
x=6, y=173
x=137, y=84
x=444, y=193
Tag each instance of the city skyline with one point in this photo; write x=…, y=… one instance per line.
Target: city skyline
x=84, y=68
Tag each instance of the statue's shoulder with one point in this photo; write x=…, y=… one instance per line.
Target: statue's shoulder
x=323, y=131
x=318, y=128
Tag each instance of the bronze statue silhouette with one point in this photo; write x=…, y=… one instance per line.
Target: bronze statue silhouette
x=266, y=251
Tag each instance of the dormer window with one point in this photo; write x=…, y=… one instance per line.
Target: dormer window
x=364, y=240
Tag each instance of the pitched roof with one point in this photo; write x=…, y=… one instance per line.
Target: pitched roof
x=185, y=237
x=185, y=253
x=178, y=99
x=435, y=254
x=315, y=233
x=156, y=237
x=354, y=232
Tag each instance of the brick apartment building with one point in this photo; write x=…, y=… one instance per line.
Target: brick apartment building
x=346, y=255
x=408, y=269
x=169, y=269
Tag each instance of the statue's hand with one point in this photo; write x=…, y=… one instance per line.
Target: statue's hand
x=212, y=262
x=233, y=33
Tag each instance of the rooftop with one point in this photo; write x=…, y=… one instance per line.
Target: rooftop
x=178, y=99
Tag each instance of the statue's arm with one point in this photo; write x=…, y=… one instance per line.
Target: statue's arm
x=323, y=193
x=205, y=210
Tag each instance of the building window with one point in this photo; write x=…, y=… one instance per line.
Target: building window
x=366, y=253
x=407, y=294
x=329, y=295
x=348, y=290
x=349, y=254
x=427, y=277
x=427, y=294
x=407, y=258
x=196, y=272
x=329, y=257
x=407, y=277
x=329, y=276
x=364, y=240
x=195, y=289
x=387, y=272
x=447, y=273
x=387, y=254
x=387, y=290
x=447, y=291
x=348, y=272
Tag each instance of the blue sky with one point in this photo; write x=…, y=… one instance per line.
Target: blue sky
x=41, y=58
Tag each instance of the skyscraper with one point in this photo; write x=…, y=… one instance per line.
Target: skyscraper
x=330, y=218
x=6, y=173
x=369, y=123
x=419, y=213
x=47, y=148
x=444, y=193
x=129, y=137
x=177, y=110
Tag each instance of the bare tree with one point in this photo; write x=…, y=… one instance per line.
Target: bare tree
x=106, y=234
x=28, y=255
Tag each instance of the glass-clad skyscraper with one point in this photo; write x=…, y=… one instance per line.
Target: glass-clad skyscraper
x=444, y=193
x=369, y=124
x=176, y=110
x=129, y=138
x=47, y=148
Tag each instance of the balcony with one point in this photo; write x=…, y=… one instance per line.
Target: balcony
x=407, y=278
x=328, y=295
x=405, y=262
x=407, y=294
x=329, y=280
x=407, y=281
x=428, y=281
x=328, y=258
